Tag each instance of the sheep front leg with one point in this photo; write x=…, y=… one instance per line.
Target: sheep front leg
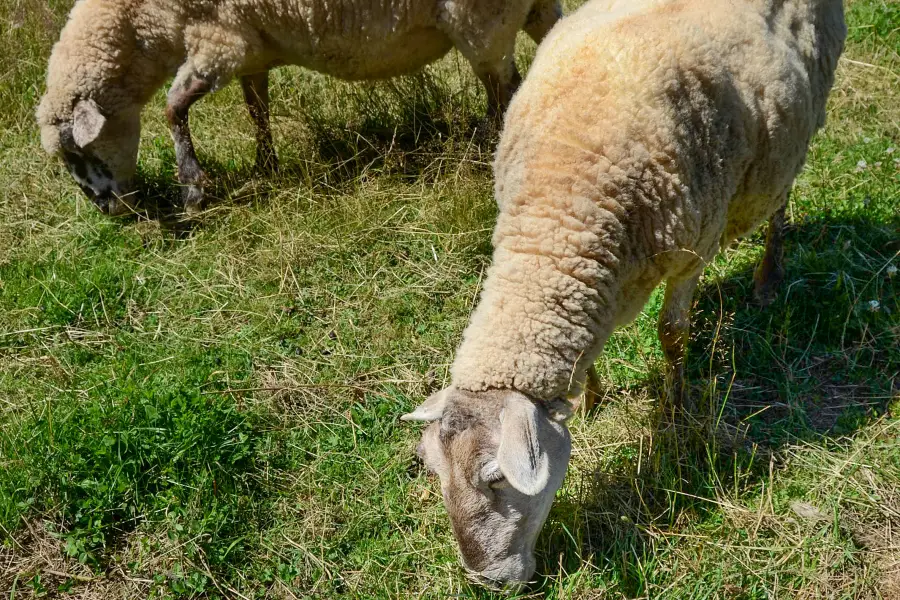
x=592, y=391
x=491, y=51
x=770, y=272
x=674, y=331
x=501, y=80
x=495, y=66
x=186, y=90
x=256, y=95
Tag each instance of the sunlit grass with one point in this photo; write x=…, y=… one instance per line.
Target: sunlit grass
x=213, y=412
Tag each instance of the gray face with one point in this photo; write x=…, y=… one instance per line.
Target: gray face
x=501, y=458
x=99, y=152
x=94, y=179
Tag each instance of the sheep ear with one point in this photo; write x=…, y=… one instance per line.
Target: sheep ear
x=521, y=459
x=88, y=122
x=431, y=409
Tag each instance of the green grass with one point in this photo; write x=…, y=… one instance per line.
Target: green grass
x=213, y=413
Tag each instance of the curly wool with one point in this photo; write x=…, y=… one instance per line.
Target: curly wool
x=638, y=146
x=119, y=52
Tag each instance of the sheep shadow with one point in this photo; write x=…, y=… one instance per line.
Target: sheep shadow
x=341, y=160
x=406, y=129
x=400, y=126
x=820, y=362
x=160, y=195
x=405, y=149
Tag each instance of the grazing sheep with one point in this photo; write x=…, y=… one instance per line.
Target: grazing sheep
x=633, y=152
x=114, y=54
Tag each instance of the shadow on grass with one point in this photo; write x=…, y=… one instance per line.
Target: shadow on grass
x=400, y=126
x=402, y=129
x=819, y=363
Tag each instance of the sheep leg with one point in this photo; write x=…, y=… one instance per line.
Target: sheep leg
x=184, y=93
x=543, y=16
x=674, y=329
x=770, y=272
x=500, y=81
x=493, y=63
x=256, y=95
x=495, y=66
x=591, y=390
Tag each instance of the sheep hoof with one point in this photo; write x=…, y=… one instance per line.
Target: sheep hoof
x=766, y=287
x=676, y=391
x=589, y=402
x=764, y=296
x=193, y=199
x=266, y=166
x=119, y=207
x=675, y=394
x=488, y=129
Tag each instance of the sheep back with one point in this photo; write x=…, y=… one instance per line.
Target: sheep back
x=634, y=150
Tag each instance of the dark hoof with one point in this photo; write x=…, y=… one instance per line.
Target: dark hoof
x=676, y=392
x=488, y=129
x=589, y=401
x=765, y=290
x=193, y=199
x=764, y=296
x=593, y=392
x=266, y=166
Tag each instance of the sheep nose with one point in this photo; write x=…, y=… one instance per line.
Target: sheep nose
x=509, y=575
x=102, y=202
x=88, y=192
x=509, y=580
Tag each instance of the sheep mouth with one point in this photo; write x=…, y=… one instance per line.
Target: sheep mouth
x=109, y=202
x=495, y=585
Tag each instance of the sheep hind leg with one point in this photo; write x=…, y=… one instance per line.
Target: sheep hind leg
x=674, y=332
x=256, y=95
x=592, y=391
x=770, y=272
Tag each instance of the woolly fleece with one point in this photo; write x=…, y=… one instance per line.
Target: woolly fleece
x=119, y=52
x=637, y=147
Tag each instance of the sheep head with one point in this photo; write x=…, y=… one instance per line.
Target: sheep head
x=99, y=150
x=500, y=457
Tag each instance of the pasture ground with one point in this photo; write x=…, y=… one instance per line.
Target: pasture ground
x=211, y=411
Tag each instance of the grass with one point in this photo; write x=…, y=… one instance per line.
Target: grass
x=212, y=413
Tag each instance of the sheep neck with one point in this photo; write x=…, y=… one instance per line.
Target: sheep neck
x=547, y=305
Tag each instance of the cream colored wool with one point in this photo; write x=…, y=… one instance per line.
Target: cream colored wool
x=636, y=148
x=117, y=53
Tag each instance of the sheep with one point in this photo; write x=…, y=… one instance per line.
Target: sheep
x=114, y=54
x=636, y=148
